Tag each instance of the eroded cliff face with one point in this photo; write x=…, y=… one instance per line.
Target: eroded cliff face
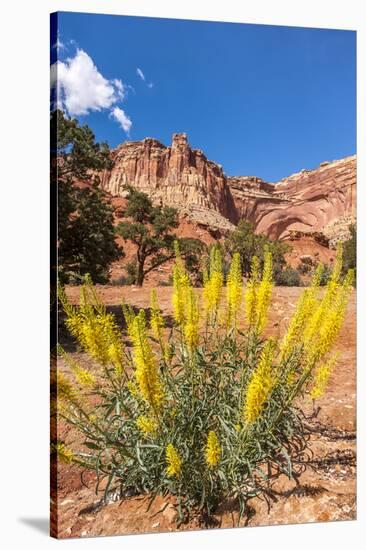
x=320, y=200
x=177, y=176
x=312, y=201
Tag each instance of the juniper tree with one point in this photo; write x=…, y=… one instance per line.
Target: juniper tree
x=247, y=243
x=150, y=229
x=85, y=233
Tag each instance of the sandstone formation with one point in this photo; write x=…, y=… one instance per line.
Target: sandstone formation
x=178, y=176
x=319, y=202
x=310, y=201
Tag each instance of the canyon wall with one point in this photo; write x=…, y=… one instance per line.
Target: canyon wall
x=316, y=201
x=177, y=176
x=320, y=200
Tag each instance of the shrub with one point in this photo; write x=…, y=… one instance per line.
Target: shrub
x=165, y=282
x=305, y=265
x=203, y=410
x=288, y=277
x=303, y=268
x=326, y=275
x=350, y=251
x=247, y=243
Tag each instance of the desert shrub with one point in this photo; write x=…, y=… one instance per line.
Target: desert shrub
x=131, y=270
x=166, y=282
x=288, y=277
x=247, y=243
x=303, y=268
x=305, y=265
x=326, y=275
x=203, y=410
x=350, y=251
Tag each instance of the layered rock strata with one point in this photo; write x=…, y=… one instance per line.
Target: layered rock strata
x=316, y=201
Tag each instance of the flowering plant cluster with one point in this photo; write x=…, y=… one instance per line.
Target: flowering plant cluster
x=203, y=408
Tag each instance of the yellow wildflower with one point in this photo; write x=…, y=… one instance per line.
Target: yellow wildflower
x=64, y=454
x=94, y=328
x=213, y=282
x=167, y=350
x=174, y=462
x=304, y=309
x=192, y=320
x=147, y=374
x=213, y=450
x=181, y=285
x=148, y=426
x=322, y=376
x=65, y=390
x=115, y=352
x=96, y=332
x=260, y=384
x=83, y=376
x=318, y=343
x=251, y=292
x=67, y=307
x=264, y=293
x=234, y=289
x=317, y=320
x=133, y=388
x=129, y=316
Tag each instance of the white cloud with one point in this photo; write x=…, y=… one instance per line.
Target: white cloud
x=120, y=116
x=120, y=88
x=79, y=88
x=58, y=45
x=150, y=85
x=82, y=88
x=140, y=73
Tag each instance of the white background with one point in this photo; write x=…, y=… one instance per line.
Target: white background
x=24, y=195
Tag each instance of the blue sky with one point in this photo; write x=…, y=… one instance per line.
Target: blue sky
x=260, y=100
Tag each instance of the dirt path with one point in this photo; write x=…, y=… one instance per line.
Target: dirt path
x=325, y=490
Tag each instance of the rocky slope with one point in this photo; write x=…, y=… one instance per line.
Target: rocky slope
x=320, y=201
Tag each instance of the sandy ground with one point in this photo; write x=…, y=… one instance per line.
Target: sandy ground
x=326, y=490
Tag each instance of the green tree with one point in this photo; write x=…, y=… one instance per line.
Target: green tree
x=89, y=246
x=248, y=244
x=350, y=251
x=150, y=228
x=85, y=232
x=74, y=151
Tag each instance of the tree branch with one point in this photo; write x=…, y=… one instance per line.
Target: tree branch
x=160, y=262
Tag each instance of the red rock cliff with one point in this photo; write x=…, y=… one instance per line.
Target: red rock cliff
x=178, y=176
x=321, y=200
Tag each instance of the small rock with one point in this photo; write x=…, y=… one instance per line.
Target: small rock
x=67, y=501
x=170, y=514
x=154, y=525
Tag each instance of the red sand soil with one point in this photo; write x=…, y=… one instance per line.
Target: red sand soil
x=326, y=492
